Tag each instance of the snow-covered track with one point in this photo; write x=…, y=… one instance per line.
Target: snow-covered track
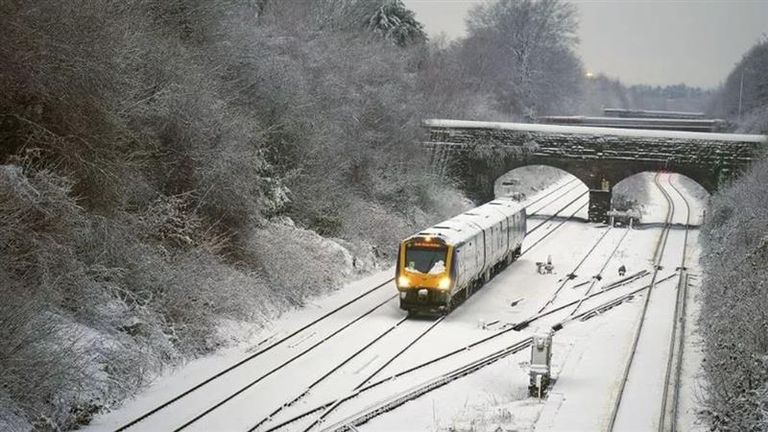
x=557, y=213
x=598, y=276
x=397, y=354
x=282, y=365
x=381, y=407
x=561, y=223
x=556, y=325
x=251, y=357
x=413, y=393
x=670, y=397
x=225, y=396
x=554, y=200
x=667, y=411
x=570, y=275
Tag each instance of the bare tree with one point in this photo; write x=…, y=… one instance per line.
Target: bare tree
x=524, y=51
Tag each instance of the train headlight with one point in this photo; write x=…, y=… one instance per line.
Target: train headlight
x=403, y=282
x=444, y=283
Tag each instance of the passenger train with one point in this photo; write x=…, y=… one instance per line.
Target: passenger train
x=441, y=266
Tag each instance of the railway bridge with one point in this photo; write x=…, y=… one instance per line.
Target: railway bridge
x=477, y=153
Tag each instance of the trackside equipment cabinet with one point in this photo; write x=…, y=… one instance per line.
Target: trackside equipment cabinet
x=541, y=360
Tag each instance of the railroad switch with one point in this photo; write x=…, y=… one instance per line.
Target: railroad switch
x=541, y=360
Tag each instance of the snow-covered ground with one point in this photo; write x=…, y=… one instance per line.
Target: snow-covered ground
x=588, y=355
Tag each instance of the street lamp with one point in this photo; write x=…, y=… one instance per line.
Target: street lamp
x=741, y=90
x=741, y=87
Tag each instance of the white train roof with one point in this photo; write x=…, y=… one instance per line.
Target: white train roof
x=470, y=223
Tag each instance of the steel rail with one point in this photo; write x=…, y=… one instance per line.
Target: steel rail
x=427, y=387
x=657, y=256
x=280, y=366
x=247, y=359
x=391, y=359
x=540, y=239
x=329, y=373
x=550, y=217
x=599, y=274
x=578, y=265
x=555, y=327
x=549, y=193
x=445, y=378
x=554, y=200
x=672, y=376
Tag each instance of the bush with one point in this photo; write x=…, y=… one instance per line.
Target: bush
x=735, y=300
x=153, y=154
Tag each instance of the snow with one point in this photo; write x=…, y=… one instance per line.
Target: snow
x=656, y=112
x=649, y=121
x=437, y=268
x=587, y=359
x=466, y=225
x=587, y=356
x=557, y=129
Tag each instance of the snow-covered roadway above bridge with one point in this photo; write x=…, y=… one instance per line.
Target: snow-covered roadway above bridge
x=586, y=130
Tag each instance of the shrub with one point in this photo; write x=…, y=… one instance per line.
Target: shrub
x=735, y=299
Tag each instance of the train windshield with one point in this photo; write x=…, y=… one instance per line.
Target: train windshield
x=425, y=260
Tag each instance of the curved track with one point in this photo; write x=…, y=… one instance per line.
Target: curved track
x=625, y=411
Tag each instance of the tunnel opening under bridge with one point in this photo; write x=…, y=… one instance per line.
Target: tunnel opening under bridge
x=525, y=182
x=635, y=193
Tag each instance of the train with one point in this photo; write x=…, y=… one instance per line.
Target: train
x=441, y=266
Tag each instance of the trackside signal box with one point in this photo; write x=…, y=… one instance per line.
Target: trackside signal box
x=541, y=361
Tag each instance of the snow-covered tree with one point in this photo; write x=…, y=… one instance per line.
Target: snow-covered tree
x=397, y=23
x=743, y=97
x=523, y=50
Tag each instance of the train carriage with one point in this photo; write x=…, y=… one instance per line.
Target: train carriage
x=442, y=265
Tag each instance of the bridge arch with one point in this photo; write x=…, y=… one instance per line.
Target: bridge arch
x=528, y=179
x=635, y=191
x=615, y=173
x=477, y=172
x=476, y=153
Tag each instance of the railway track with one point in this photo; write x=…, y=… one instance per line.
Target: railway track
x=165, y=405
x=556, y=325
x=393, y=402
x=598, y=276
x=554, y=200
x=670, y=397
x=567, y=278
x=667, y=411
x=392, y=358
x=328, y=409
x=251, y=357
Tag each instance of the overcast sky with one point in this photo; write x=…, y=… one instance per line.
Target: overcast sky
x=642, y=42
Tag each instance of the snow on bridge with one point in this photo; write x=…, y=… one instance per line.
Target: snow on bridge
x=476, y=153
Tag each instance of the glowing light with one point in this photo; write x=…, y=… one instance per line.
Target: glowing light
x=590, y=75
x=444, y=283
x=403, y=282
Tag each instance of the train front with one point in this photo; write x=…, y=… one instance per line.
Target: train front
x=424, y=277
